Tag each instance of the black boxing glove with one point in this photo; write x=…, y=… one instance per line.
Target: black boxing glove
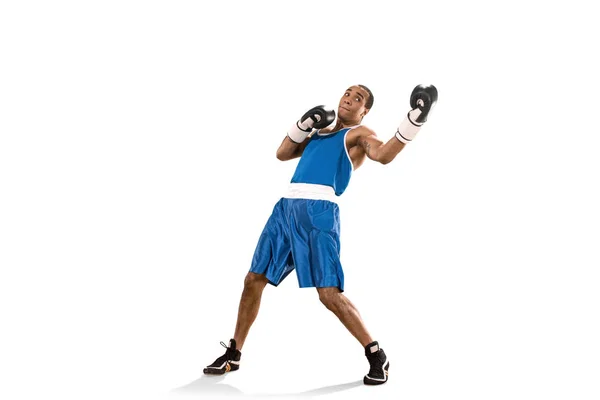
x=316, y=118
x=422, y=100
x=320, y=116
x=423, y=97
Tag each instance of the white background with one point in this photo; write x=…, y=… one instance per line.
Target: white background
x=137, y=170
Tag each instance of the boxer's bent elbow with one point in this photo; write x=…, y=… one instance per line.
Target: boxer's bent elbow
x=386, y=159
x=284, y=156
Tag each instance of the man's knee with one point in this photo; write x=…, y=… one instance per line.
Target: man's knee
x=254, y=280
x=329, y=296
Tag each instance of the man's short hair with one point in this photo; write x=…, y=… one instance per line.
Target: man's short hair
x=371, y=99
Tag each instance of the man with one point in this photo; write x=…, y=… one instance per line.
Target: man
x=302, y=233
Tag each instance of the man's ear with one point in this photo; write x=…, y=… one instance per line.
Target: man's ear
x=366, y=112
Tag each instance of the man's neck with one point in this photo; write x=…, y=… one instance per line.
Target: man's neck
x=339, y=124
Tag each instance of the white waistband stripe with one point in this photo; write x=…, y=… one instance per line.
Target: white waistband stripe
x=310, y=191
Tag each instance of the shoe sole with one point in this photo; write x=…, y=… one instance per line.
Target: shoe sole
x=373, y=382
x=215, y=371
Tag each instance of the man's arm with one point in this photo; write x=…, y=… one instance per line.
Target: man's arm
x=288, y=150
x=422, y=99
x=379, y=151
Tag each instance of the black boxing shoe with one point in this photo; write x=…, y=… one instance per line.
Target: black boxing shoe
x=230, y=361
x=378, y=373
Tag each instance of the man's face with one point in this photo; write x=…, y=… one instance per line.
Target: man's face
x=352, y=104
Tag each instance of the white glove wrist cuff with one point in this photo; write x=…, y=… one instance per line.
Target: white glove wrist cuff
x=298, y=135
x=407, y=130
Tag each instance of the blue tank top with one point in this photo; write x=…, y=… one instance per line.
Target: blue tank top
x=325, y=161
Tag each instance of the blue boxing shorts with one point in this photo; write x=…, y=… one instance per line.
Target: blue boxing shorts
x=302, y=234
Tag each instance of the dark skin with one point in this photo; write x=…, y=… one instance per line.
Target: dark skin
x=361, y=143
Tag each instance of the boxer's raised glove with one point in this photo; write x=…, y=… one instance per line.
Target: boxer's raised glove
x=422, y=100
x=316, y=118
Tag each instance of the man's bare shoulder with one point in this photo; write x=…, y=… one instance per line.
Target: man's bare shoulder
x=355, y=134
x=362, y=131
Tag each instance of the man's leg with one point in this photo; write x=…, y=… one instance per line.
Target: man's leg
x=339, y=304
x=342, y=307
x=254, y=284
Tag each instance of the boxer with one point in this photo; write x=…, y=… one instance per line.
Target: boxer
x=303, y=231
